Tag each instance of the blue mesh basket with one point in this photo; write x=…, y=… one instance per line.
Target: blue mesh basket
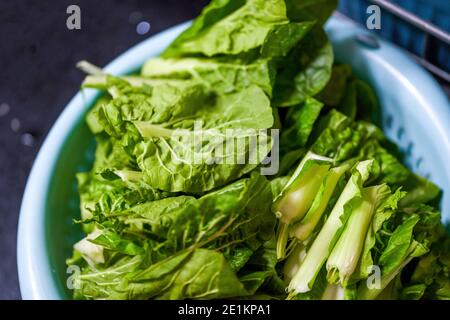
x=433, y=52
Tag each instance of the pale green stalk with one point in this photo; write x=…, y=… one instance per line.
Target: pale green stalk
x=298, y=195
x=293, y=261
x=344, y=258
x=322, y=245
x=303, y=229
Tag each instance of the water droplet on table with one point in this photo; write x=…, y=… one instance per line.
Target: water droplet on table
x=4, y=109
x=15, y=125
x=143, y=27
x=27, y=139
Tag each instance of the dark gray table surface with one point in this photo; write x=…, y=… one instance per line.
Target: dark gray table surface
x=38, y=77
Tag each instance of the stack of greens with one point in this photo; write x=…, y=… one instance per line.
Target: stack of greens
x=168, y=216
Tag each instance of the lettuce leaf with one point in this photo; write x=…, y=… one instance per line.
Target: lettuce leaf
x=301, y=10
x=174, y=206
x=238, y=31
x=193, y=160
x=223, y=74
x=432, y=273
x=181, y=235
x=215, y=11
x=406, y=235
x=305, y=71
x=299, y=124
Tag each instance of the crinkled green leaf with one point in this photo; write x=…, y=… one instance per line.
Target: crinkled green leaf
x=283, y=38
x=299, y=124
x=301, y=10
x=433, y=270
x=212, y=13
x=221, y=74
x=349, y=103
x=334, y=91
x=193, y=160
x=305, y=71
x=384, y=211
x=239, y=31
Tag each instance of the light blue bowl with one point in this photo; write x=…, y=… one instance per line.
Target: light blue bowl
x=416, y=115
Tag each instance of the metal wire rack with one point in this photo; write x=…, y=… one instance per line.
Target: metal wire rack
x=434, y=37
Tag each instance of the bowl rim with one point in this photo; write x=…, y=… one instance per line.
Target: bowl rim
x=36, y=275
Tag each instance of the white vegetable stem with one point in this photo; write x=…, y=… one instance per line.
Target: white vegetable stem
x=296, y=202
x=90, y=68
x=303, y=229
x=91, y=252
x=148, y=130
x=294, y=261
x=345, y=255
x=322, y=245
x=298, y=195
x=333, y=292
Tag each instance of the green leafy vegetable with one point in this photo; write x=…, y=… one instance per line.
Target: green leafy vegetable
x=303, y=229
x=176, y=205
x=246, y=28
x=324, y=242
x=301, y=10
x=305, y=71
x=298, y=194
x=299, y=124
